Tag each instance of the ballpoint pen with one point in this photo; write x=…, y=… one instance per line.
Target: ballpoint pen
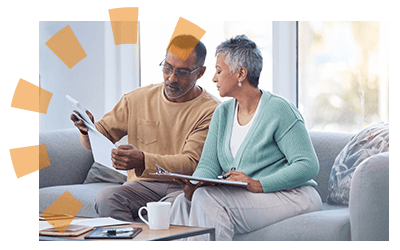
x=118, y=231
x=226, y=176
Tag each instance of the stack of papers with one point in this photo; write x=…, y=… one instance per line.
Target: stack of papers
x=101, y=145
x=92, y=222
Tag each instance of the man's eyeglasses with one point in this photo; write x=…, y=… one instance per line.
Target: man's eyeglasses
x=178, y=72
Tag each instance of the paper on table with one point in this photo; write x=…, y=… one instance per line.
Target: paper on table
x=101, y=146
x=93, y=222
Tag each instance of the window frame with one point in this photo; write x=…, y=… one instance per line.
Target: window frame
x=285, y=59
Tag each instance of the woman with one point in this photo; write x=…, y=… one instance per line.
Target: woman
x=258, y=138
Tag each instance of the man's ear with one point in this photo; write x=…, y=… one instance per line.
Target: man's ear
x=242, y=74
x=201, y=72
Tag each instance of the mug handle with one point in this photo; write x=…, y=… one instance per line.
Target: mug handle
x=141, y=217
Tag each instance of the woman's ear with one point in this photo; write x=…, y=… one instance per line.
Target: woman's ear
x=242, y=74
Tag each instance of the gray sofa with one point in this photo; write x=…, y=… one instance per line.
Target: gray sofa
x=366, y=217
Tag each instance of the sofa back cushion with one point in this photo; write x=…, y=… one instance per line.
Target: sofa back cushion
x=70, y=161
x=327, y=146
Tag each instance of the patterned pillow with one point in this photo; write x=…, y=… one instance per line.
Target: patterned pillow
x=371, y=140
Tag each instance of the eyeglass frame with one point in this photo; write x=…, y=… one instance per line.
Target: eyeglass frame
x=187, y=73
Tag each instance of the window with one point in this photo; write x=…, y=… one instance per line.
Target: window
x=97, y=82
x=155, y=43
x=343, y=74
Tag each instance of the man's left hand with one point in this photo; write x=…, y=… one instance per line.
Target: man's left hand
x=127, y=157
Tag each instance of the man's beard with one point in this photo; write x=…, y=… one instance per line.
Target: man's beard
x=177, y=91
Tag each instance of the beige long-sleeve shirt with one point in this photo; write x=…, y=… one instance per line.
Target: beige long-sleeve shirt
x=170, y=134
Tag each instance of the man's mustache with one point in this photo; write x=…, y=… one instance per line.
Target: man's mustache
x=172, y=84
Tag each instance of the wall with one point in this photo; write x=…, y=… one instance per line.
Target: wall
x=98, y=81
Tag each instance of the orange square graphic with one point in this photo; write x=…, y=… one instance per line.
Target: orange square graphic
x=124, y=32
x=185, y=27
x=44, y=160
x=130, y=14
x=27, y=160
x=66, y=207
x=66, y=46
x=30, y=97
x=124, y=23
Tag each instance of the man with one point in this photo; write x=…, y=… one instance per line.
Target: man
x=166, y=125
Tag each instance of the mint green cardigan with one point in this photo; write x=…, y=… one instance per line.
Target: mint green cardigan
x=277, y=150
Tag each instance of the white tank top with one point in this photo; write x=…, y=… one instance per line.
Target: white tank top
x=239, y=132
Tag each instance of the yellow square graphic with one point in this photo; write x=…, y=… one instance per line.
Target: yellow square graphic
x=66, y=46
x=27, y=160
x=30, y=97
x=124, y=23
x=125, y=32
x=185, y=27
x=65, y=208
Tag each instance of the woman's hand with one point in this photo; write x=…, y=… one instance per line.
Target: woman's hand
x=252, y=185
x=188, y=187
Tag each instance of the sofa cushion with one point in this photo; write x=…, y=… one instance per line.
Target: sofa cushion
x=327, y=145
x=85, y=193
x=70, y=161
x=330, y=224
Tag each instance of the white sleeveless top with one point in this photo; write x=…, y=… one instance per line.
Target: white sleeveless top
x=239, y=132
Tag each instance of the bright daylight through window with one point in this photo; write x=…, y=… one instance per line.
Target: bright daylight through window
x=343, y=74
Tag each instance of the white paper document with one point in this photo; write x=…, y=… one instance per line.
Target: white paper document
x=92, y=222
x=101, y=145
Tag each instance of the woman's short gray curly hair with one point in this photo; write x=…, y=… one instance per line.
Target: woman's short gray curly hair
x=240, y=51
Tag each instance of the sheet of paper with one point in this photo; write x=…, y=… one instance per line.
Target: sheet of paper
x=98, y=222
x=93, y=222
x=101, y=146
x=81, y=110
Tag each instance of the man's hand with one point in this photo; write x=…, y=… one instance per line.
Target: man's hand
x=252, y=185
x=83, y=129
x=188, y=187
x=79, y=123
x=127, y=157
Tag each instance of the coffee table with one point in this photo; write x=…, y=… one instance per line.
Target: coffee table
x=173, y=233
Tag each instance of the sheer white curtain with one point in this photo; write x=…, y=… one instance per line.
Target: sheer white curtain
x=122, y=68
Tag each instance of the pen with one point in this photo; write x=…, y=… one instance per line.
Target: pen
x=226, y=176
x=118, y=231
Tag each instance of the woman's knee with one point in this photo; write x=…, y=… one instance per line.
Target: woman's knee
x=203, y=195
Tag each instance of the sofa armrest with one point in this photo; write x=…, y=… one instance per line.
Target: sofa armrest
x=369, y=199
x=70, y=161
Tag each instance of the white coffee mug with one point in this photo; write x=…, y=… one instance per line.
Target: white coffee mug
x=158, y=214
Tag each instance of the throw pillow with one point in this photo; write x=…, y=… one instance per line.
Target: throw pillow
x=371, y=140
x=100, y=173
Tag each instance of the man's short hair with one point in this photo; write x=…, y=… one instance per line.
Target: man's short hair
x=187, y=42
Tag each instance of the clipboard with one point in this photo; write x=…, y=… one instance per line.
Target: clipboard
x=163, y=175
x=101, y=233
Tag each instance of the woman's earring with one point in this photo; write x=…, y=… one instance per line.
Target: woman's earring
x=240, y=84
